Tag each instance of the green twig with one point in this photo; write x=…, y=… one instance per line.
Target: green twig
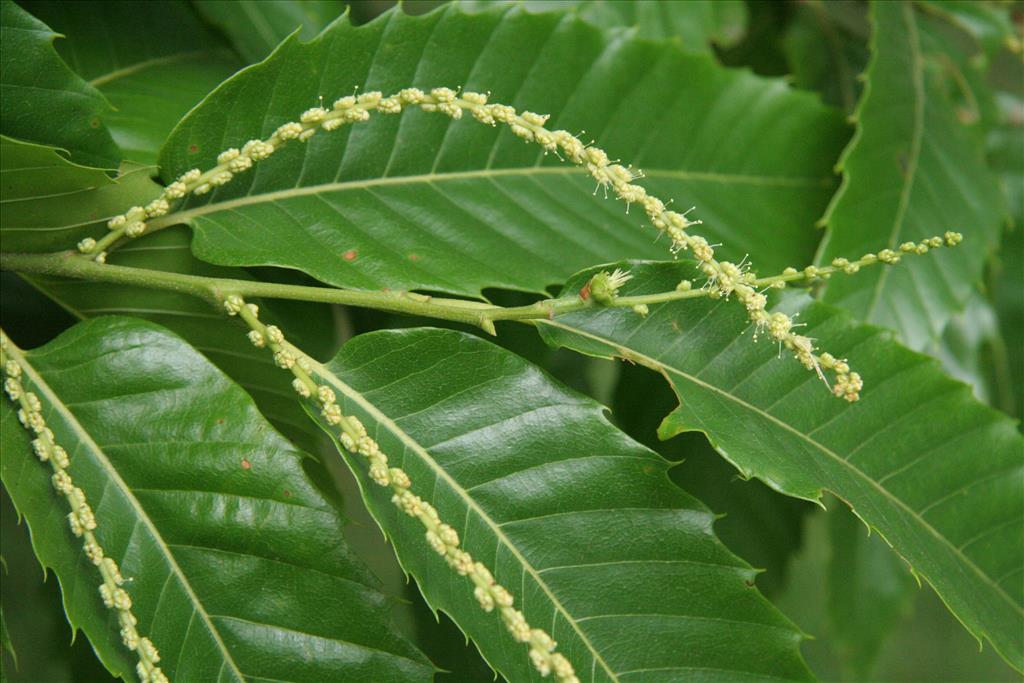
x=475, y=313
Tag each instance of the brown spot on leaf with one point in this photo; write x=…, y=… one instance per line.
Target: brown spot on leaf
x=192, y=149
x=286, y=493
x=966, y=116
x=350, y=255
x=95, y=123
x=414, y=257
x=246, y=464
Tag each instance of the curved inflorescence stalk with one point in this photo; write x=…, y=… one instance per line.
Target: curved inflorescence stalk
x=81, y=518
x=724, y=279
x=602, y=289
x=442, y=538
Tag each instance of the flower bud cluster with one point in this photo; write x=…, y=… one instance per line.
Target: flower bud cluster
x=234, y=161
x=604, y=286
x=889, y=257
x=847, y=384
x=443, y=538
x=81, y=519
x=723, y=278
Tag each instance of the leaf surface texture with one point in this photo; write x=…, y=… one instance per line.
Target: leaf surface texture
x=918, y=458
x=151, y=65
x=42, y=100
x=909, y=173
x=419, y=201
x=237, y=562
x=577, y=520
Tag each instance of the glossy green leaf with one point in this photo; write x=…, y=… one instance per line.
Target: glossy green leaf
x=909, y=173
x=153, y=63
x=936, y=473
x=42, y=100
x=578, y=520
x=239, y=569
x=256, y=27
x=205, y=327
x=419, y=201
x=696, y=24
x=47, y=648
x=49, y=203
x=757, y=523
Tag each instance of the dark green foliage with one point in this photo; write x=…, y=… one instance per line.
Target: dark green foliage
x=800, y=131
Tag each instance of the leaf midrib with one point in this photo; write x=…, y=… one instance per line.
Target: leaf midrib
x=706, y=176
x=657, y=364
x=131, y=69
x=83, y=435
x=470, y=503
x=917, y=135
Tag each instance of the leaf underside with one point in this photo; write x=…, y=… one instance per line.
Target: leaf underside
x=910, y=172
x=50, y=203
